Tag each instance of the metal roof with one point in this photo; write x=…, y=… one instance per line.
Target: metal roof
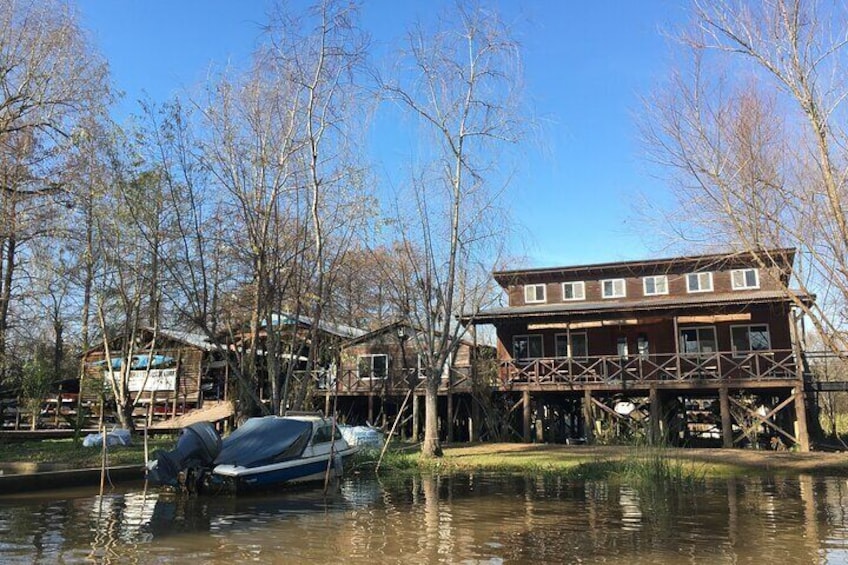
x=624, y=306
x=198, y=340
x=340, y=330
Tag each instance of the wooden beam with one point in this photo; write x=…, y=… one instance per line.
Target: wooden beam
x=527, y=414
x=624, y=322
x=656, y=415
x=714, y=319
x=767, y=419
x=584, y=325
x=588, y=416
x=801, y=431
x=726, y=419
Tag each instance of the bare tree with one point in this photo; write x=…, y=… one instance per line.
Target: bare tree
x=460, y=82
x=50, y=80
x=753, y=130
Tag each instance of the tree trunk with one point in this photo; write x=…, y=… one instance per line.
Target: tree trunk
x=431, y=447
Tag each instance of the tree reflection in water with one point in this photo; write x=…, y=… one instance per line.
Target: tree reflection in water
x=441, y=519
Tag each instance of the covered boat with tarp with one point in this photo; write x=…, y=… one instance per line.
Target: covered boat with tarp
x=262, y=453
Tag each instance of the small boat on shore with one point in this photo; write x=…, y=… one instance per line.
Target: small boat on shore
x=263, y=453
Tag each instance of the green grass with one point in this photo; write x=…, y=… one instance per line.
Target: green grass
x=639, y=466
x=63, y=451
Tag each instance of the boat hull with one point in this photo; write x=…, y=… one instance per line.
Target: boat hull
x=236, y=479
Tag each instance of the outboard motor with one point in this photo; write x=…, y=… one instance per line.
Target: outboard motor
x=196, y=449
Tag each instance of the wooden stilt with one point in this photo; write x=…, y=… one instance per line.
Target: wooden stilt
x=474, y=431
x=726, y=419
x=416, y=423
x=527, y=414
x=656, y=415
x=801, y=431
x=588, y=417
x=371, y=409
x=449, y=415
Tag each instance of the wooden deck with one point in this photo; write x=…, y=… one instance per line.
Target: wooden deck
x=760, y=369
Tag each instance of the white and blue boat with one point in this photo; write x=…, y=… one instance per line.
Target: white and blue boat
x=263, y=453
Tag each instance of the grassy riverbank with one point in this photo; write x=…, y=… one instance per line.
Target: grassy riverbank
x=576, y=461
x=64, y=452
x=596, y=461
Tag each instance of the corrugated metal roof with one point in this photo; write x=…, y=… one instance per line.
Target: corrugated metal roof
x=624, y=306
x=197, y=340
x=339, y=330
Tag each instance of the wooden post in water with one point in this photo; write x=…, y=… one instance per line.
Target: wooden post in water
x=726, y=418
x=371, y=409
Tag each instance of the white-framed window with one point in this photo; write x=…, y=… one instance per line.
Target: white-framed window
x=527, y=346
x=656, y=285
x=699, y=282
x=698, y=340
x=534, y=293
x=372, y=366
x=744, y=279
x=575, y=290
x=745, y=339
x=576, y=348
x=613, y=288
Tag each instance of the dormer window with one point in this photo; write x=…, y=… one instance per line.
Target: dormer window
x=574, y=290
x=656, y=285
x=613, y=288
x=745, y=279
x=534, y=293
x=699, y=282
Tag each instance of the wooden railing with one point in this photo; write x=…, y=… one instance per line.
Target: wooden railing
x=600, y=370
x=347, y=382
x=663, y=367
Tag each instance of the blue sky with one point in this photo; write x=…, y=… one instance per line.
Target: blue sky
x=587, y=66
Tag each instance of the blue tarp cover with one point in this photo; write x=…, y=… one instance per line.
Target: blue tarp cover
x=139, y=362
x=260, y=441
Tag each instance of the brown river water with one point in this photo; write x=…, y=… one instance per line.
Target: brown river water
x=478, y=518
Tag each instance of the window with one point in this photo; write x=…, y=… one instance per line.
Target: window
x=699, y=282
x=373, y=366
x=698, y=340
x=527, y=347
x=749, y=338
x=642, y=346
x=324, y=434
x=578, y=348
x=613, y=288
x=621, y=348
x=742, y=279
x=655, y=285
x=534, y=293
x=573, y=290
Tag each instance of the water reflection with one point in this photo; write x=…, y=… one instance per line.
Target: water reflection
x=469, y=518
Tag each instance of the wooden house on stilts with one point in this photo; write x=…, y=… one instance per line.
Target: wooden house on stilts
x=687, y=350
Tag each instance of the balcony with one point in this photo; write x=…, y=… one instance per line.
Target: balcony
x=394, y=382
x=639, y=370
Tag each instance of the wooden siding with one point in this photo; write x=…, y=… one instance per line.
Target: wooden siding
x=659, y=333
x=769, y=280
x=189, y=364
